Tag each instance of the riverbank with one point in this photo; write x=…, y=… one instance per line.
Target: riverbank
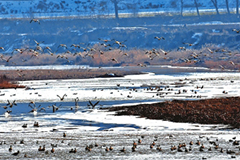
x=44, y=74
x=209, y=111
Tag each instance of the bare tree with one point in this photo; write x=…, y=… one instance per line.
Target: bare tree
x=215, y=5
x=181, y=7
x=115, y=2
x=227, y=6
x=196, y=4
x=237, y=4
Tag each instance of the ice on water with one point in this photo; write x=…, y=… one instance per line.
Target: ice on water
x=110, y=92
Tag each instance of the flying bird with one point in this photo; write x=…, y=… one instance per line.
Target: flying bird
x=11, y=104
x=189, y=44
x=93, y=105
x=6, y=59
x=62, y=45
x=235, y=30
x=209, y=50
x=159, y=38
x=35, y=20
x=62, y=98
x=181, y=48
x=38, y=43
x=114, y=60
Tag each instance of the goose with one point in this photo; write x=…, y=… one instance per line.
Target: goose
x=123, y=149
x=159, y=148
x=189, y=44
x=75, y=45
x=62, y=56
x=10, y=149
x=24, y=125
x=181, y=48
x=50, y=53
x=34, y=109
x=104, y=40
x=235, y=30
x=7, y=114
x=209, y=50
x=38, y=48
x=87, y=148
x=38, y=43
x=134, y=144
x=232, y=63
x=52, y=150
x=76, y=104
x=106, y=149
x=105, y=45
x=139, y=141
x=62, y=98
x=141, y=65
x=111, y=148
x=35, y=124
x=35, y=20
x=125, y=54
x=165, y=52
x=159, y=38
x=11, y=104
x=101, y=52
x=114, y=60
x=48, y=48
x=19, y=50
x=6, y=59
x=133, y=148
x=5, y=107
x=35, y=54
x=55, y=108
x=73, y=151
x=16, y=153
x=93, y=105
x=62, y=45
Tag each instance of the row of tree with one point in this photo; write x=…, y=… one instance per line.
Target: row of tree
x=215, y=4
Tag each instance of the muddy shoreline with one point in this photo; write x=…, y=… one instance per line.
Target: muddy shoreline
x=209, y=111
x=44, y=74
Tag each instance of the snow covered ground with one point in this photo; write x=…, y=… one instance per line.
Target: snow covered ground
x=131, y=89
x=86, y=126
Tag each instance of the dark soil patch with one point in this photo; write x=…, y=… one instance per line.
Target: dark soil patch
x=210, y=111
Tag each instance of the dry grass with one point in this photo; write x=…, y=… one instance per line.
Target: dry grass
x=210, y=111
x=5, y=83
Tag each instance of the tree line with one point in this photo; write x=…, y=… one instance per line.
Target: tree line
x=196, y=3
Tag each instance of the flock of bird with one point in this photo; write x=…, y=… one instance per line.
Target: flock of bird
x=85, y=50
x=35, y=109
x=142, y=143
